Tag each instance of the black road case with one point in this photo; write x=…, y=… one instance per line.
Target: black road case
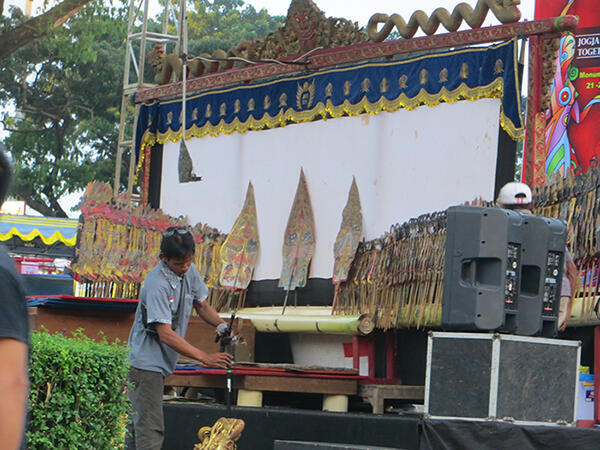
x=485, y=376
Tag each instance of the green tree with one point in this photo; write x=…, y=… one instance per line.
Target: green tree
x=18, y=35
x=66, y=90
x=225, y=23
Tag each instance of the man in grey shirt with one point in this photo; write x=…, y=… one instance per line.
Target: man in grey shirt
x=156, y=339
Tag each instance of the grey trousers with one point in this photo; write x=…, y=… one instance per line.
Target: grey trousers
x=145, y=427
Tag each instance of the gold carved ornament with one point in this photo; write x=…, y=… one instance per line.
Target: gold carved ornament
x=384, y=86
x=283, y=100
x=347, y=86
x=365, y=86
x=305, y=95
x=221, y=436
x=444, y=75
x=329, y=90
x=498, y=67
x=423, y=76
x=402, y=82
x=306, y=28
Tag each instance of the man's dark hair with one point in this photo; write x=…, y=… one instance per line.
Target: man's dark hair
x=177, y=243
x=5, y=176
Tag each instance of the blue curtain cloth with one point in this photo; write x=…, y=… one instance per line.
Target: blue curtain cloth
x=373, y=87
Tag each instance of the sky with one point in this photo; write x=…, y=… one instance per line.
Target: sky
x=356, y=10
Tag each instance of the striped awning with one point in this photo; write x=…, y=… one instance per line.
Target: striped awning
x=50, y=230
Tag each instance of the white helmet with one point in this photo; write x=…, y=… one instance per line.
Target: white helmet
x=514, y=193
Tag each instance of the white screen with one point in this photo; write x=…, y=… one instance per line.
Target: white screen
x=406, y=163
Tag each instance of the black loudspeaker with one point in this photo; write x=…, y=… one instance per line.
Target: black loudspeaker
x=482, y=269
x=544, y=241
x=503, y=271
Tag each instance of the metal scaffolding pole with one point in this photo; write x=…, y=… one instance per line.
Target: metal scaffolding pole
x=138, y=38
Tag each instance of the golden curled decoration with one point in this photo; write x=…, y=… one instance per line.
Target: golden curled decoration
x=506, y=11
x=169, y=67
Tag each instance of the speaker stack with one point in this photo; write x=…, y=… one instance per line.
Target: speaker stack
x=503, y=271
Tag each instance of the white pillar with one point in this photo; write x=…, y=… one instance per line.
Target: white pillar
x=337, y=403
x=249, y=398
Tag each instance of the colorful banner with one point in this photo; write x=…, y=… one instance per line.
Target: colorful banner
x=49, y=229
x=465, y=74
x=572, y=131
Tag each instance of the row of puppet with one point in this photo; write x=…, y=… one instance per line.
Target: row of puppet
x=398, y=278
x=119, y=244
x=576, y=200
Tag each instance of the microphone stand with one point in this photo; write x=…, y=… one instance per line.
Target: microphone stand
x=226, y=340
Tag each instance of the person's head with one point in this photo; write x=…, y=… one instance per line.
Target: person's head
x=177, y=249
x=515, y=195
x=5, y=176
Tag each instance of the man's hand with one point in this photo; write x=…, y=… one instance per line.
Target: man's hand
x=563, y=326
x=223, y=329
x=223, y=360
x=180, y=345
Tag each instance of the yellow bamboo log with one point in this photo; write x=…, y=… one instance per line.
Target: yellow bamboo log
x=582, y=316
x=306, y=320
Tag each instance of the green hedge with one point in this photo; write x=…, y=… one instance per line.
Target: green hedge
x=77, y=398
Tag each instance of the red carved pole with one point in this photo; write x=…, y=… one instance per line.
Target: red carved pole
x=390, y=355
x=534, y=142
x=596, y=373
x=146, y=174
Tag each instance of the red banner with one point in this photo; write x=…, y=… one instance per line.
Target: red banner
x=572, y=133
